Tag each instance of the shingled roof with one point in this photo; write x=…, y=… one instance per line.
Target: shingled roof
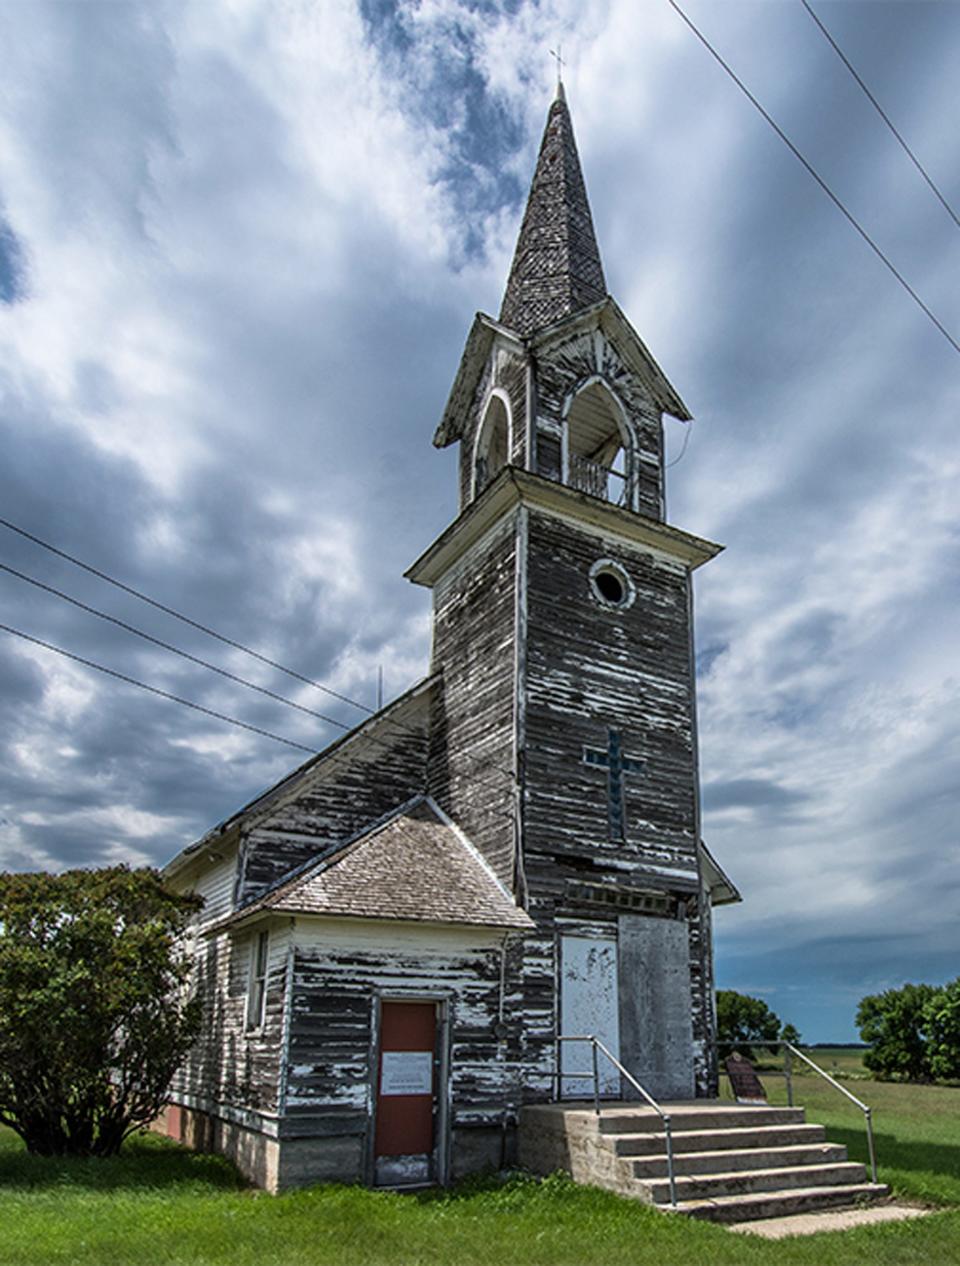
x=415, y=865
x=556, y=267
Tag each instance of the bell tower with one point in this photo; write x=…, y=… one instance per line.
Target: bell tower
x=564, y=736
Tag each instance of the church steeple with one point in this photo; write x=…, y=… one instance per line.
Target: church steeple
x=556, y=267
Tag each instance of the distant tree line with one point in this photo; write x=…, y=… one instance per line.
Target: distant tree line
x=913, y=1033
x=744, y=1023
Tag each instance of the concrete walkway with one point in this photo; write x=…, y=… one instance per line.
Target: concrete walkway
x=830, y=1220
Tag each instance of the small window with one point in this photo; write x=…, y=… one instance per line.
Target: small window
x=611, y=584
x=257, y=997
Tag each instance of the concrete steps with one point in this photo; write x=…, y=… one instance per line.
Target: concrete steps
x=732, y=1162
x=763, y=1137
x=729, y=1161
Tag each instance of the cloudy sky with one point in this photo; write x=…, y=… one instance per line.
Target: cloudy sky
x=240, y=246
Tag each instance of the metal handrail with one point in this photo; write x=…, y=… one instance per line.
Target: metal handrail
x=597, y=1046
x=788, y=1050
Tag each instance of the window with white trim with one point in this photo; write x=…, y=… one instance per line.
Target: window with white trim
x=257, y=994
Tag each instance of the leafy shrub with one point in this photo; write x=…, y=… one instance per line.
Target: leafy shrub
x=894, y=1025
x=93, y=1017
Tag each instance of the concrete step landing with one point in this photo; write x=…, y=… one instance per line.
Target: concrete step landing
x=732, y=1162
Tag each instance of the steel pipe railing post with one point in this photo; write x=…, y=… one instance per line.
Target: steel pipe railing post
x=873, y=1155
x=668, y=1132
x=596, y=1075
x=788, y=1074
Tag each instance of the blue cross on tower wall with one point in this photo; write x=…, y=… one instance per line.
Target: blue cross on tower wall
x=616, y=764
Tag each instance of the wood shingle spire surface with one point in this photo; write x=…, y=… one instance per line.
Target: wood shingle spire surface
x=556, y=267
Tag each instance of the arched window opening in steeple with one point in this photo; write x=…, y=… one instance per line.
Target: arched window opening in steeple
x=599, y=458
x=493, y=443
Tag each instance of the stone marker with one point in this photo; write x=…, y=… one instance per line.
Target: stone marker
x=746, y=1085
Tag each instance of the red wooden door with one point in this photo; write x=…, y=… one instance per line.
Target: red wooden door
x=406, y=1089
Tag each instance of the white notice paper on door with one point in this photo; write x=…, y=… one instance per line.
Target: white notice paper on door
x=406, y=1073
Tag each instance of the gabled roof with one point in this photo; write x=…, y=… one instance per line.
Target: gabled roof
x=393, y=720
x=556, y=268
x=415, y=866
x=606, y=315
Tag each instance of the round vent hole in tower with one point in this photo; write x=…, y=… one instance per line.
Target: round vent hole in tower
x=611, y=584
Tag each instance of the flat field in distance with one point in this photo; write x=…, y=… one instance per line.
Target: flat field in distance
x=159, y=1205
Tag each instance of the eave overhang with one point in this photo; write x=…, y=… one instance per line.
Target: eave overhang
x=514, y=487
x=723, y=891
x=479, y=341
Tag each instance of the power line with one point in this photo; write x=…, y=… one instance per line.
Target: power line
x=222, y=672
x=185, y=619
x=883, y=114
x=178, y=615
x=155, y=690
x=168, y=646
x=683, y=447
x=818, y=178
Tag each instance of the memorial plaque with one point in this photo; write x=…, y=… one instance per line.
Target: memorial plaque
x=746, y=1085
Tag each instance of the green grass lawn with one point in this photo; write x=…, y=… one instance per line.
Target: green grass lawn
x=160, y=1204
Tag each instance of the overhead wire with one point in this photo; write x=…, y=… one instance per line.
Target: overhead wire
x=168, y=646
x=222, y=672
x=818, y=178
x=154, y=690
x=178, y=615
x=880, y=110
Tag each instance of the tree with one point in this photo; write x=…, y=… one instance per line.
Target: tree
x=894, y=1026
x=942, y=1020
x=93, y=1014
x=744, y=1022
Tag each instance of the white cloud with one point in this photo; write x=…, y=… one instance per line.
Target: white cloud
x=254, y=238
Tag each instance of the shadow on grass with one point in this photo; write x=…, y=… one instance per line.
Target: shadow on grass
x=146, y=1162
x=910, y=1156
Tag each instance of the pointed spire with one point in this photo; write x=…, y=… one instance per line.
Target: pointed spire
x=556, y=267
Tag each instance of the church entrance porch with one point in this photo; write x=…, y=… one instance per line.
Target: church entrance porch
x=732, y=1162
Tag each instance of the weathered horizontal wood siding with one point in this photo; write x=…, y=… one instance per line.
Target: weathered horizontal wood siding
x=589, y=669
x=355, y=786
x=231, y=1067
x=339, y=967
x=471, y=732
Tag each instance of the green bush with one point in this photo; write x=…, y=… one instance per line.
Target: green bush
x=942, y=1019
x=894, y=1025
x=93, y=1017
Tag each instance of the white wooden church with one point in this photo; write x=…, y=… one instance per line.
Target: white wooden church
x=396, y=935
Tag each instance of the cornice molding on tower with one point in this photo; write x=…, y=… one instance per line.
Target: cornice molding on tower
x=514, y=487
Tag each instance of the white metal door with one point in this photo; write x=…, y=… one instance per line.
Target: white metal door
x=589, y=1004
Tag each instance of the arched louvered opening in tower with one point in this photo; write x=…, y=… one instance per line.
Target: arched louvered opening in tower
x=493, y=443
x=599, y=457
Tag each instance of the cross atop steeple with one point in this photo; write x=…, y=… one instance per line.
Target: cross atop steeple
x=556, y=267
x=558, y=56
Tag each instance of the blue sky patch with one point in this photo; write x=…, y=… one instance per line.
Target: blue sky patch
x=12, y=268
